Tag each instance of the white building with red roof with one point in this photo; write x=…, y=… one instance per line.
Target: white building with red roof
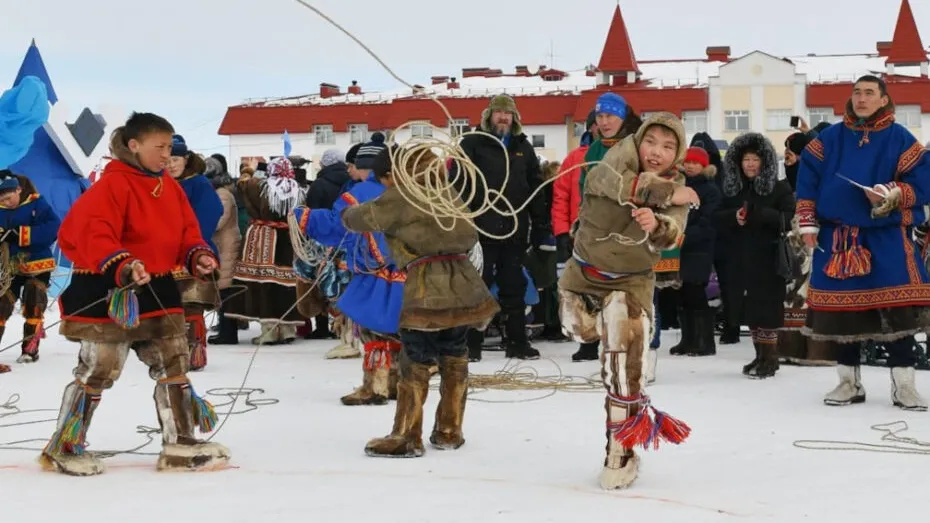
x=720, y=94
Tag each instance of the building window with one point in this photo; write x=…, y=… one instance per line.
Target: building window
x=908, y=116
x=421, y=130
x=695, y=122
x=324, y=134
x=458, y=126
x=736, y=121
x=778, y=120
x=539, y=140
x=820, y=115
x=358, y=133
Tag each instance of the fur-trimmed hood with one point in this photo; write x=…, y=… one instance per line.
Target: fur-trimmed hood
x=733, y=177
x=120, y=150
x=670, y=122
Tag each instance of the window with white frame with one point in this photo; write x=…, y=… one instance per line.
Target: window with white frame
x=736, y=121
x=539, y=140
x=819, y=115
x=421, y=130
x=908, y=116
x=358, y=132
x=695, y=122
x=778, y=120
x=324, y=134
x=458, y=126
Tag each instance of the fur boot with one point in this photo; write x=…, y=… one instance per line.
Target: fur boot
x=767, y=364
x=269, y=335
x=453, y=391
x=850, y=389
x=179, y=412
x=406, y=438
x=903, y=390
x=393, y=377
x=33, y=332
x=348, y=347
x=66, y=451
x=364, y=395
x=287, y=333
x=621, y=466
x=705, y=343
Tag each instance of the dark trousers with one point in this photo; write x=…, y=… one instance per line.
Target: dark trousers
x=503, y=264
x=900, y=353
x=228, y=326
x=427, y=346
x=693, y=296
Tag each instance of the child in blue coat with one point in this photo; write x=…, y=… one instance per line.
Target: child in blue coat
x=28, y=228
x=373, y=297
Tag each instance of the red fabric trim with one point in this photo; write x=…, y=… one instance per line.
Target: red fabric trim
x=119, y=270
x=148, y=315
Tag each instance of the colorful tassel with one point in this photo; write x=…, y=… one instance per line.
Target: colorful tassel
x=69, y=439
x=32, y=347
x=198, y=341
x=648, y=427
x=378, y=355
x=849, y=258
x=203, y=413
x=124, y=308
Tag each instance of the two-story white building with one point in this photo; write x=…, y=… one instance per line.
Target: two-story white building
x=722, y=95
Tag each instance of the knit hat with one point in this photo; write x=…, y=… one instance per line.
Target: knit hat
x=8, y=181
x=331, y=157
x=365, y=158
x=178, y=146
x=797, y=142
x=611, y=103
x=697, y=155
x=280, y=167
x=592, y=119
x=353, y=151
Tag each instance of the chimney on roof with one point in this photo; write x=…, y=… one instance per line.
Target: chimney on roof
x=439, y=79
x=355, y=88
x=883, y=48
x=453, y=83
x=329, y=90
x=523, y=70
x=718, y=53
x=474, y=71
x=493, y=73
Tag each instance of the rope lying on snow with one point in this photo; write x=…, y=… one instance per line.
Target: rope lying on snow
x=890, y=433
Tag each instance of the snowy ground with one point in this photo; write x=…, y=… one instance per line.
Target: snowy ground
x=530, y=461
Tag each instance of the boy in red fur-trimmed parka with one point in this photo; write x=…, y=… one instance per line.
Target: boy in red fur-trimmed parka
x=124, y=236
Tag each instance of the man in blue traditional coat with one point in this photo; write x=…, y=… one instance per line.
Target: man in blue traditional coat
x=863, y=185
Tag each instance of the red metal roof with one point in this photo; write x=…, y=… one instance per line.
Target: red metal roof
x=300, y=118
x=618, y=56
x=903, y=90
x=906, y=47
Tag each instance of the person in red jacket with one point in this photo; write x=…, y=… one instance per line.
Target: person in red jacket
x=566, y=200
x=124, y=237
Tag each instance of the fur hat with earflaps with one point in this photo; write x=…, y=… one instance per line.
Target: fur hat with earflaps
x=501, y=102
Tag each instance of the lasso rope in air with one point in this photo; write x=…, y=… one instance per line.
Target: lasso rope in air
x=431, y=190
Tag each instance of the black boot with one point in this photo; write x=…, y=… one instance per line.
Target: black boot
x=475, y=341
x=587, y=352
x=768, y=361
x=730, y=335
x=705, y=344
x=517, y=344
x=228, y=333
x=321, y=329
x=688, y=342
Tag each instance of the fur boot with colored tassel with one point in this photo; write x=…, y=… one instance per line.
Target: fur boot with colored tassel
x=180, y=406
x=197, y=340
x=66, y=452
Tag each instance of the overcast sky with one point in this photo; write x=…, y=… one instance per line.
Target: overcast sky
x=190, y=59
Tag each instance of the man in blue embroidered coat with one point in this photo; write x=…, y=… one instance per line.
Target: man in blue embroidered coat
x=373, y=297
x=867, y=280
x=28, y=228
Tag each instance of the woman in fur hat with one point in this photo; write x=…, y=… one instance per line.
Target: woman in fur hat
x=606, y=291
x=266, y=267
x=757, y=209
x=197, y=294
